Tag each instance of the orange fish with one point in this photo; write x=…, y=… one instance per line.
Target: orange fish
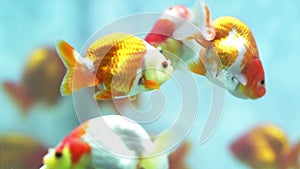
x=261, y=147
x=120, y=64
x=229, y=57
x=40, y=80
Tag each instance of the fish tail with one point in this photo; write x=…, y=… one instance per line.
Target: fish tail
x=79, y=70
x=19, y=95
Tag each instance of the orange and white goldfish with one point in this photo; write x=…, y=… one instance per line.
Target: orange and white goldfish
x=97, y=142
x=40, y=80
x=229, y=54
x=20, y=151
x=120, y=64
x=161, y=34
x=261, y=147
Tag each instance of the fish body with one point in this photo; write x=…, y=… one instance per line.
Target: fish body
x=161, y=34
x=261, y=147
x=119, y=64
x=104, y=143
x=20, y=151
x=235, y=46
x=229, y=56
x=40, y=81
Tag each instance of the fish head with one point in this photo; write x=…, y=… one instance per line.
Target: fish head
x=156, y=67
x=255, y=86
x=179, y=11
x=254, y=73
x=55, y=159
x=72, y=152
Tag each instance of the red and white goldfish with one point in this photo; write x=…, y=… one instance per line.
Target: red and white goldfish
x=40, y=82
x=261, y=147
x=97, y=142
x=161, y=34
x=229, y=54
x=167, y=23
x=120, y=64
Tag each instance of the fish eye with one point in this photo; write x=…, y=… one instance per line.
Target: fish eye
x=58, y=154
x=165, y=64
x=160, y=50
x=141, y=81
x=262, y=82
x=234, y=79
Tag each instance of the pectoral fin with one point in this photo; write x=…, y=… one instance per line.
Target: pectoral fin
x=241, y=78
x=151, y=84
x=103, y=95
x=132, y=98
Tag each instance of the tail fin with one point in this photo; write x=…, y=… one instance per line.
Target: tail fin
x=84, y=68
x=66, y=54
x=201, y=30
x=17, y=92
x=203, y=20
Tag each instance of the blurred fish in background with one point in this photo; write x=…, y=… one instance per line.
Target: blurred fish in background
x=178, y=159
x=40, y=80
x=261, y=147
x=161, y=34
x=20, y=151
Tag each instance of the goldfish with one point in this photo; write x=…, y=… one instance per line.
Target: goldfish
x=40, y=81
x=120, y=64
x=20, y=151
x=97, y=143
x=229, y=56
x=261, y=147
x=161, y=34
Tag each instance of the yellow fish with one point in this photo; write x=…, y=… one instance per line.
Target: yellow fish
x=261, y=147
x=40, y=81
x=120, y=64
x=20, y=151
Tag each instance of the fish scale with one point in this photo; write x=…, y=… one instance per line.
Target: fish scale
x=228, y=54
x=117, y=58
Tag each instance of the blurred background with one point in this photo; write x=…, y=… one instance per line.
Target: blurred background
x=30, y=28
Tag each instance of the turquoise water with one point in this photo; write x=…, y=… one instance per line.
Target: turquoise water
x=25, y=25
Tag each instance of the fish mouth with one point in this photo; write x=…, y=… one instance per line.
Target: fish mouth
x=241, y=92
